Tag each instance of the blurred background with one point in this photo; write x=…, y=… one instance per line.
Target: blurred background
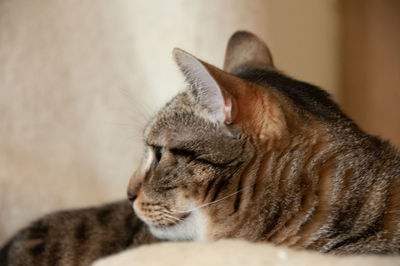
x=79, y=79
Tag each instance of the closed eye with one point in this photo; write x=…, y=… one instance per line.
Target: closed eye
x=182, y=152
x=194, y=157
x=158, y=152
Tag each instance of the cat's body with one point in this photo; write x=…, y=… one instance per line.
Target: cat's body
x=242, y=153
x=328, y=187
x=250, y=153
x=76, y=237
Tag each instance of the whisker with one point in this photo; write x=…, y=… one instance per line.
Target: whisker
x=168, y=212
x=212, y=202
x=170, y=216
x=168, y=219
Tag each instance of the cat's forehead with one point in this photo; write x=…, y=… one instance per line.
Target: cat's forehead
x=178, y=121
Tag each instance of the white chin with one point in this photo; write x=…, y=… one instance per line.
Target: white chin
x=191, y=228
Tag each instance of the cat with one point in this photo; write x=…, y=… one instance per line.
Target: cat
x=248, y=152
x=245, y=152
x=76, y=237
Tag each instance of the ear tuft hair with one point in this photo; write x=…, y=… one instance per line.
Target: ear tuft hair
x=210, y=96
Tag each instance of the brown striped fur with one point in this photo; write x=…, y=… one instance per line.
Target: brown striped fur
x=76, y=237
x=251, y=153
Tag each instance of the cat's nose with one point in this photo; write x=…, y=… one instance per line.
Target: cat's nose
x=131, y=196
x=133, y=190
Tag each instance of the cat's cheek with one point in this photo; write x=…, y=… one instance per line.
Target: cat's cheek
x=143, y=213
x=136, y=209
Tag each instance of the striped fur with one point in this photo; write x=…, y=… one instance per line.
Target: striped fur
x=280, y=164
x=76, y=237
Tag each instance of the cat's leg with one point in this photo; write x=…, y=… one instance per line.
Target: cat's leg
x=76, y=237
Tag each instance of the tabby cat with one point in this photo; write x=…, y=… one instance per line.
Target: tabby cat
x=247, y=152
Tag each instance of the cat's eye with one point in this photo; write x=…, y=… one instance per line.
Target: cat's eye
x=158, y=152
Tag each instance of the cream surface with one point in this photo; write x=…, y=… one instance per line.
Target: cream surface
x=234, y=253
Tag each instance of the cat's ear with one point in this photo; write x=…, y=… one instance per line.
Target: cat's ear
x=204, y=80
x=245, y=50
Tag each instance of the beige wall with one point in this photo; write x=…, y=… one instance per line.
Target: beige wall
x=371, y=65
x=78, y=80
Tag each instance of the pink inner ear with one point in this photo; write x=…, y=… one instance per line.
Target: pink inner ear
x=227, y=109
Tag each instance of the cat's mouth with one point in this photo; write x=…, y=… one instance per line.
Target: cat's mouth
x=173, y=223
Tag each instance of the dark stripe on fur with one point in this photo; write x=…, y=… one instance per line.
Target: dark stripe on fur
x=81, y=232
x=273, y=221
x=218, y=187
x=208, y=188
x=4, y=251
x=37, y=253
x=370, y=231
x=81, y=235
x=183, y=152
x=238, y=196
x=54, y=254
x=103, y=216
x=38, y=230
x=216, y=165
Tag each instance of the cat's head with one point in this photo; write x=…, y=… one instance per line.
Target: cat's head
x=198, y=179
